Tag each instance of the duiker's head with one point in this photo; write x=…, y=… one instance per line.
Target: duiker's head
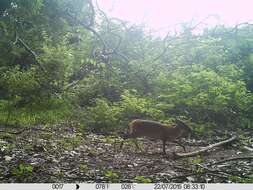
x=186, y=129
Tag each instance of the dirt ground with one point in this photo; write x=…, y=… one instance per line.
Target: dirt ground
x=61, y=153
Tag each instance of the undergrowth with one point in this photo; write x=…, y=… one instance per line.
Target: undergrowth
x=31, y=115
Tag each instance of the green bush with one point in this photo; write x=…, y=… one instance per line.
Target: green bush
x=204, y=95
x=106, y=116
x=100, y=118
x=23, y=172
x=20, y=85
x=133, y=106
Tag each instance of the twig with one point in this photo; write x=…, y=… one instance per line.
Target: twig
x=115, y=50
x=241, y=24
x=18, y=39
x=89, y=26
x=213, y=171
x=106, y=49
x=186, y=175
x=248, y=148
x=194, y=153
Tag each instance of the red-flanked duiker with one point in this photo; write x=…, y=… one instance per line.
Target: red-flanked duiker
x=156, y=130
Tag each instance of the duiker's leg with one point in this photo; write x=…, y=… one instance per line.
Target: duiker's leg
x=136, y=144
x=124, y=137
x=180, y=144
x=121, y=144
x=164, y=144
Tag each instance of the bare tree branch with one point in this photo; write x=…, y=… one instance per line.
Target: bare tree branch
x=89, y=26
x=34, y=55
x=115, y=49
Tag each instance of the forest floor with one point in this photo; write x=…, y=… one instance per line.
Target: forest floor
x=61, y=153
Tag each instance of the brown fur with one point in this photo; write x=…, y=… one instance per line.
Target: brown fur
x=156, y=130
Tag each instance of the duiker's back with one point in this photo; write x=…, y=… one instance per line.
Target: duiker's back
x=153, y=129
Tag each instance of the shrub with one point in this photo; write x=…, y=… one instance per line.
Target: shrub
x=106, y=116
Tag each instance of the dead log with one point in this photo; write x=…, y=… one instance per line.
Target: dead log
x=205, y=149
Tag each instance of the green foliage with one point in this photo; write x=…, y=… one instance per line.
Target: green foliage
x=197, y=160
x=7, y=148
x=142, y=179
x=23, y=172
x=109, y=139
x=29, y=8
x=57, y=60
x=206, y=78
x=83, y=168
x=69, y=143
x=112, y=176
x=245, y=179
x=51, y=112
x=132, y=106
x=106, y=116
x=203, y=128
x=19, y=85
x=203, y=94
x=101, y=117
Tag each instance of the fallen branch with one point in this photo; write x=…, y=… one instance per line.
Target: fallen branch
x=180, y=155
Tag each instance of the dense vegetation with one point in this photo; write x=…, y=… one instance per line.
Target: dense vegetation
x=66, y=60
x=66, y=66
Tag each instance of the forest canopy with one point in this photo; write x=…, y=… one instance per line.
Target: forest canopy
x=67, y=60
